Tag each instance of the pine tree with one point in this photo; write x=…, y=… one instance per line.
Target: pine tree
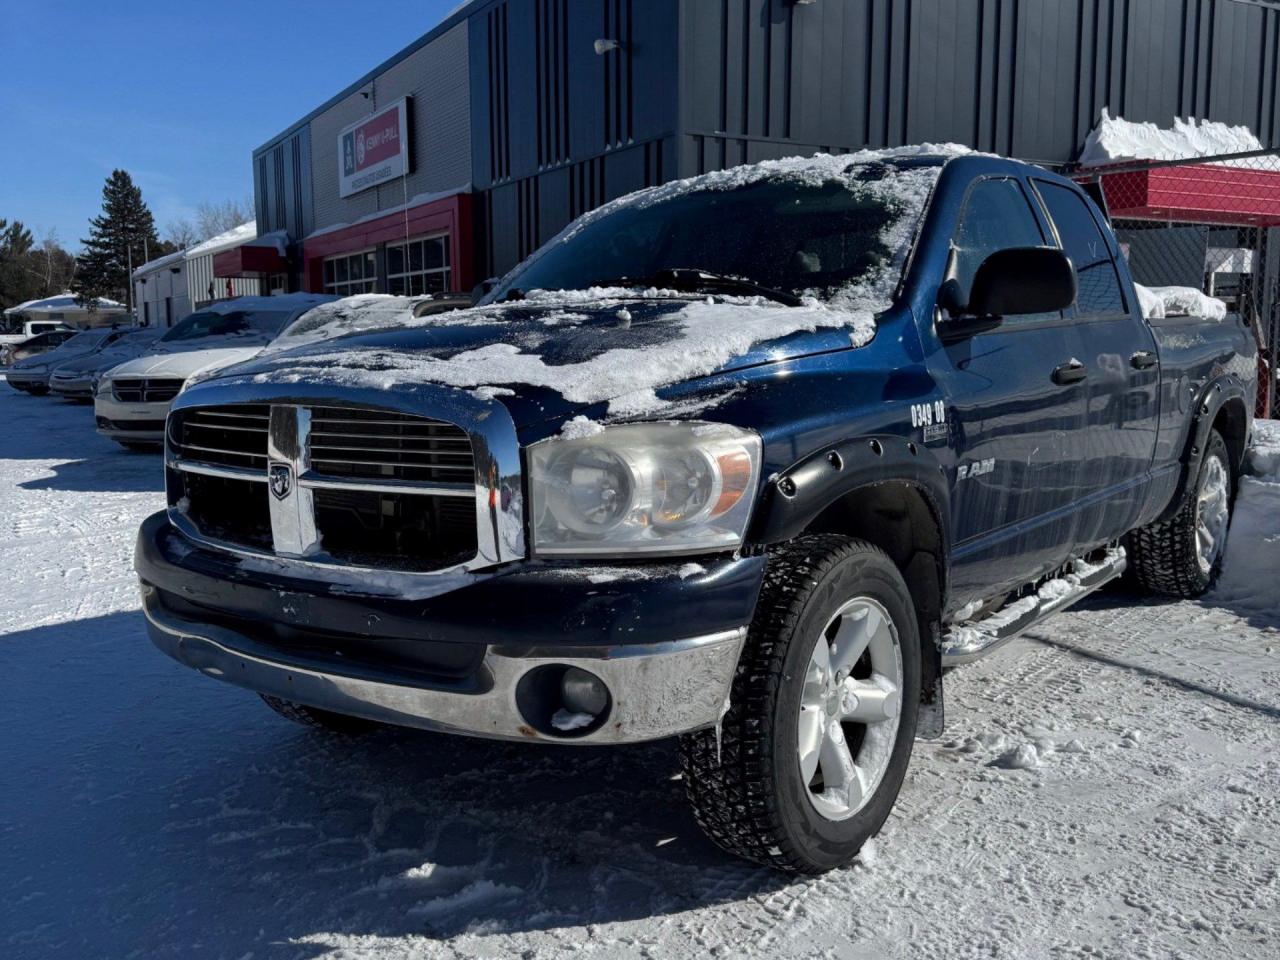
x=125, y=233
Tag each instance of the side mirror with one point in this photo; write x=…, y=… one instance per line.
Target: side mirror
x=1009, y=282
x=1022, y=280
x=481, y=289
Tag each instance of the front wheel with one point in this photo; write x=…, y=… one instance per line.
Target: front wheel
x=813, y=750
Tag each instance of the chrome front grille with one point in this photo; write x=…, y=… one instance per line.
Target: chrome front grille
x=371, y=445
x=342, y=485
x=145, y=389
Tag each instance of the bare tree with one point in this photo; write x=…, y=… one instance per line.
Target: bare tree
x=51, y=267
x=215, y=218
x=182, y=233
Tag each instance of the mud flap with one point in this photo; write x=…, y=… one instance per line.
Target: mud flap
x=930, y=721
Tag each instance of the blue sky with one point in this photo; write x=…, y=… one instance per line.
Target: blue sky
x=178, y=94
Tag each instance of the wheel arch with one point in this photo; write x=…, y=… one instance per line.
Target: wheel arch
x=892, y=493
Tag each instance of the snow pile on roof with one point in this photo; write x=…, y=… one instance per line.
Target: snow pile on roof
x=1159, y=302
x=1116, y=140
x=1251, y=566
x=276, y=239
x=151, y=266
x=225, y=241
x=710, y=333
x=62, y=302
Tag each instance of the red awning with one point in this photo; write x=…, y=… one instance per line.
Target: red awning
x=1195, y=193
x=248, y=260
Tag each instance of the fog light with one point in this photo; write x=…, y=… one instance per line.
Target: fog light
x=583, y=692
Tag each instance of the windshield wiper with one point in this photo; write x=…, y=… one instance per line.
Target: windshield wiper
x=691, y=280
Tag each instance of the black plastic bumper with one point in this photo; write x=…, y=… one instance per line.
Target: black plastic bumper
x=538, y=604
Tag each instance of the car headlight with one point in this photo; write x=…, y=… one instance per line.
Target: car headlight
x=102, y=385
x=661, y=488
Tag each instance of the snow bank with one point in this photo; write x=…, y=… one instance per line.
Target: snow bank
x=1159, y=302
x=1251, y=566
x=1116, y=140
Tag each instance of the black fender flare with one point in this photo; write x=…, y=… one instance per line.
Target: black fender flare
x=1215, y=395
x=797, y=496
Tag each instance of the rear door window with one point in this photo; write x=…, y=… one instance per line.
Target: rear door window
x=1082, y=240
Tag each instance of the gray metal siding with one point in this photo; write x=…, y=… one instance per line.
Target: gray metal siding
x=436, y=76
x=1026, y=78
x=282, y=186
x=557, y=129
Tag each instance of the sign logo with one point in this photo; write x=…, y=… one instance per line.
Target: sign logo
x=374, y=150
x=280, y=479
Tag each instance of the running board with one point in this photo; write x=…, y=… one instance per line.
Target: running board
x=966, y=642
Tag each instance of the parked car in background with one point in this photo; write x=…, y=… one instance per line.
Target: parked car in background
x=31, y=374
x=78, y=379
x=25, y=331
x=132, y=399
x=41, y=343
x=747, y=459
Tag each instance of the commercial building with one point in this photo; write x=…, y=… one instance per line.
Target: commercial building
x=160, y=293
x=478, y=142
x=63, y=308
x=207, y=283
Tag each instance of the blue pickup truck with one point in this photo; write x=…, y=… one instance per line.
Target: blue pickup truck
x=748, y=459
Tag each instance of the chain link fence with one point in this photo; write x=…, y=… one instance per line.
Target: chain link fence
x=1212, y=223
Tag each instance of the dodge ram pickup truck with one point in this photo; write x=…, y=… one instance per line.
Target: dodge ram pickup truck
x=746, y=459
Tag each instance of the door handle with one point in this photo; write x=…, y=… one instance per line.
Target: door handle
x=1072, y=371
x=1143, y=359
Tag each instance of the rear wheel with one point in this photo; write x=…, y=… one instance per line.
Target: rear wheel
x=321, y=719
x=813, y=750
x=1182, y=556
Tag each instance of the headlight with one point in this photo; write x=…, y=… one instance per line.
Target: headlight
x=103, y=384
x=663, y=488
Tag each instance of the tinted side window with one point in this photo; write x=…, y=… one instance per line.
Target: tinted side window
x=1083, y=242
x=997, y=216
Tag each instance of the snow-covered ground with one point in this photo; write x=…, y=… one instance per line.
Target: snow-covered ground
x=1109, y=787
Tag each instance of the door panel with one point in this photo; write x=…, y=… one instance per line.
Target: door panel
x=1122, y=392
x=1016, y=432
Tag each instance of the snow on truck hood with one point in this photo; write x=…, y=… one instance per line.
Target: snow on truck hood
x=621, y=345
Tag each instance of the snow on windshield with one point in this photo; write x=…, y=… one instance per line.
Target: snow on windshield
x=708, y=332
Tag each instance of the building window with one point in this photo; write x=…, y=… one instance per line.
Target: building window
x=351, y=274
x=418, y=266
x=279, y=283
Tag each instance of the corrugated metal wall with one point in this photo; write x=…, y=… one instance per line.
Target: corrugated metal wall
x=282, y=186
x=558, y=129
x=200, y=275
x=1025, y=78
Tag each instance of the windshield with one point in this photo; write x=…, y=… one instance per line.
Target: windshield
x=209, y=324
x=795, y=236
x=84, y=341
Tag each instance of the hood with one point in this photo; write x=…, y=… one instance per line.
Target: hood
x=554, y=353
x=180, y=366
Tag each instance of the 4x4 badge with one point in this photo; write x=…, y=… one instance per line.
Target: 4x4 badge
x=280, y=477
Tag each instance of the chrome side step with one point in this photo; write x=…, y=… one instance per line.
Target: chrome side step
x=968, y=641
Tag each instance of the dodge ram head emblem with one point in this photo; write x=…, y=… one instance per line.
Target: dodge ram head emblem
x=280, y=477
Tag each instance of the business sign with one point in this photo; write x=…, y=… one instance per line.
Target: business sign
x=374, y=150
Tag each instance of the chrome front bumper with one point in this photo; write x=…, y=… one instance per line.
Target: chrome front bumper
x=656, y=690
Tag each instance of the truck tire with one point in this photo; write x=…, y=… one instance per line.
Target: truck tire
x=320, y=719
x=1182, y=556
x=814, y=698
